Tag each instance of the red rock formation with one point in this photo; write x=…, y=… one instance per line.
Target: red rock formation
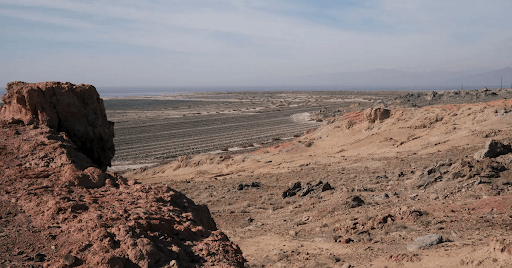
x=76, y=110
x=59, y=210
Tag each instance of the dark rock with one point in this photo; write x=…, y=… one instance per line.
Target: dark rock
x=493, y=149
x=354, y=202
x=327, y=187
x=115, y=262
x=382, y=177
x=243, y=186
x=386, y=219
x=68, y=259
x=40, y=257
x=240, y=187
x=79, y=207
x=292, y=191
x=297, y=189
x=310, y=188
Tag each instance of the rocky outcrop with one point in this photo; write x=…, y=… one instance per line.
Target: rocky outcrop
x=493, y=149
x=76, y=110
x=310, y=188
x=58, y=209
x=375, y=114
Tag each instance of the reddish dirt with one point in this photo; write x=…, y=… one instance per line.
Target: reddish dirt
x=58, y=209
x=118, y=225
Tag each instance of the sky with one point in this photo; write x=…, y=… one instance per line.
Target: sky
x=239, y=42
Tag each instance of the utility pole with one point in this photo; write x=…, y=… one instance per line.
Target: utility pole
x=501, y=87
x=462, y=87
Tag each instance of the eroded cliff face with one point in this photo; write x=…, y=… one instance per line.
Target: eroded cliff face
x=76, y=110
x=58, y=208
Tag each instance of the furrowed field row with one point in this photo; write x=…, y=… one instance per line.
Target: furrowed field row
x=201, y=136
x=172, y=151
x=161, y=134
x=213, y=118
x=164, y=138
x=193, y=124
x=126, y=143
x=246, y=135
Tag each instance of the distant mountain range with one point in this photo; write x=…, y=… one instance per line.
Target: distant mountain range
x=397, y=78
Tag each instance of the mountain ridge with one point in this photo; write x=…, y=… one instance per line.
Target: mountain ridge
x=401, y=78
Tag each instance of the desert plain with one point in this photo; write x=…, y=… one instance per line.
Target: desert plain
x=416, y=172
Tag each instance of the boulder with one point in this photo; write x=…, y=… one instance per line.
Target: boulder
x=76, y=110
x=425, y=242
x=354, y=202
x=376, y=114
x=493, y=149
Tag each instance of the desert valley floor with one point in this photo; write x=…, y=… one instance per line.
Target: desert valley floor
x=352, y=193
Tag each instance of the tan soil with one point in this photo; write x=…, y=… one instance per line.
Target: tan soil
x=415, y=172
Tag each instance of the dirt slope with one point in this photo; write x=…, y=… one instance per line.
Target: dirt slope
x=59, y=209
x=410, y=175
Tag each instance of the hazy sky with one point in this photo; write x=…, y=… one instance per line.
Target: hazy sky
x=238, y=42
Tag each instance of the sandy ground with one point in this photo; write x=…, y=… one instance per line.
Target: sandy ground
x=413, y=174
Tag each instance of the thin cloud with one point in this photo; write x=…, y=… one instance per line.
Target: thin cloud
x=273, y=38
